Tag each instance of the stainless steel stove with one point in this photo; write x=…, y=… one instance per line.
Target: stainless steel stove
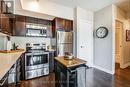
x=36, y=60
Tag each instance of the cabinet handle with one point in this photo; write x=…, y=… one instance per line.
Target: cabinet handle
x=1, y=84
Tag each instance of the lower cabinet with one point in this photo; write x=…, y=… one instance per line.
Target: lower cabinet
x=14, y=74
x=4, y=81
x=51, y=61
x=12, y=77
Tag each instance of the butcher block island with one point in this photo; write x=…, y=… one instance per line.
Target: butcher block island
x=70, y=73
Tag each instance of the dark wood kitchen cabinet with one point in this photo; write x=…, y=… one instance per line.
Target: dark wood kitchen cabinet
x=31, y=20
x=5, y=19
x=19, y=26
x=4, y=81
x=61, y=24
x=51, y=61
x=6, y=24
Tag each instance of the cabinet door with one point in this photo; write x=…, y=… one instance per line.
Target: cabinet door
x=64, y=24
x=31, y=20
x=43, y=22
x=4, y=81
x=5, y=24
x=68, y=25
x=53, y=28
x=3, y=7
x=20, y=27
x=51, y=61
x=60, y=23
x=5, y=19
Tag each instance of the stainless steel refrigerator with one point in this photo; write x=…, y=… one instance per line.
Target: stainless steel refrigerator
x=64, y=42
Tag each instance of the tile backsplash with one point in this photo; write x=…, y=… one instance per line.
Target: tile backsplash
x=21, y=41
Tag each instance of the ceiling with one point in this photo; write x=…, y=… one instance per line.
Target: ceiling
x=93, y=5
x=124, y=5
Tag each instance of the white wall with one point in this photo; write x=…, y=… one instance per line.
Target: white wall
x=103, y=49
x=84, y=14
x=49, y=8
x=122, y=16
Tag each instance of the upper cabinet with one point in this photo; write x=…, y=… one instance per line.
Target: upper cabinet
x=32, y=20
x=19, y=26
x=5, y=19
x=61, y=24
x=30, y=26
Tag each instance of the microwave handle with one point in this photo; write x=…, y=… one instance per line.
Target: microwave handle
x=41, y=31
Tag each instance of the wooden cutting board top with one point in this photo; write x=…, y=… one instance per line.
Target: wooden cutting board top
x=70, y=63
x=11, y=51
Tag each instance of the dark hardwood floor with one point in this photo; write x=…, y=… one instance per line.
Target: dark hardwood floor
x=95, y=78
x=46, y=81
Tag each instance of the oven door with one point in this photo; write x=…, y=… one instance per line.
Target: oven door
x=36, y=60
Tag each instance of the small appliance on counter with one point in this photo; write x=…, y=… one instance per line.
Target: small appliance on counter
x=36, y=60
x=9, y=45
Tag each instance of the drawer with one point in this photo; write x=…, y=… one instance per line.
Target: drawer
x=40, y=72
x=30, y=74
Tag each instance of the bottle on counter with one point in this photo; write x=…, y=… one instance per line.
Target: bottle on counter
x=9, y=45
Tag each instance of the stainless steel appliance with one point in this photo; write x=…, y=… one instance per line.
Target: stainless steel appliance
x=36, y=30
x=64, y=42
x=36, y=61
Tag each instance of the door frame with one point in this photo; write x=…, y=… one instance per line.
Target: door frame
x=122, y=55
x=113, y=44
x=78, y=20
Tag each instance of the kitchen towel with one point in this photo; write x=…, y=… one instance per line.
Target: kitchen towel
x=81, y=76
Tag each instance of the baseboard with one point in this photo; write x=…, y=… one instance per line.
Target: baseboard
x=125, y=65
x=103, y=69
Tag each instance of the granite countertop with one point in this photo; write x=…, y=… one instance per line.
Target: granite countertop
x=70, y=63
x=7, y=60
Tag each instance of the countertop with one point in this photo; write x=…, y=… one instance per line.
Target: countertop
x=7, y=60
x=11, y=51
x=70, y=63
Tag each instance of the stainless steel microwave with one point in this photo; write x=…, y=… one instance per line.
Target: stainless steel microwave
x=36, y=32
